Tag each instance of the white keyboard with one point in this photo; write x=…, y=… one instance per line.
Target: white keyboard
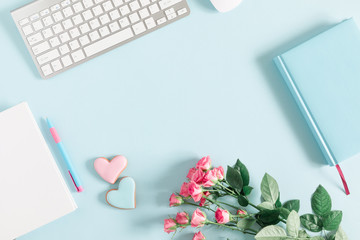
x=62, y=34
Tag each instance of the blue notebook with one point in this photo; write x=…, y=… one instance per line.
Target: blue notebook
x=323, y=75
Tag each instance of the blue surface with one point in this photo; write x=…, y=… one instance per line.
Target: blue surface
x=203, y=85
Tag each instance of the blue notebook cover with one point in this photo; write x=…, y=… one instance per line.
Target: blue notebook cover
x=323, y=75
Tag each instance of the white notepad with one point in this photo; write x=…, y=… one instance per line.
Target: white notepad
x=33, y=191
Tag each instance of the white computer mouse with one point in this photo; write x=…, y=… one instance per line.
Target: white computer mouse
x=225, y=5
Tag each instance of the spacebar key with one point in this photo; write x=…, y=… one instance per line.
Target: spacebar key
x=108, y=42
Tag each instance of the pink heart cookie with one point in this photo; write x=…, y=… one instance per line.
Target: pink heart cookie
x=110, y=170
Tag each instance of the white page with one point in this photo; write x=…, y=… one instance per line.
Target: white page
x=33, y=192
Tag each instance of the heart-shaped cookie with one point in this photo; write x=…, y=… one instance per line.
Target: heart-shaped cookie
x=110, y=170
x=125, y=196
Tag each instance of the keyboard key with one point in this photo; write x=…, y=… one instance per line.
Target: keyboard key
x=88, y=3
x=54, y=41
x=104, y=31
x=134, y=5
x=67, y=24
x=78, y=55
x=74, y=33
x=23, y=21
x=150, y=23
x=161, y=20
x=107, y=6
x=27, y=30
x=74, y=44
x=124, y=22
x=114, y=26
x=34, y=17
x=44, y=12
x=124, y=10
x=117, y=3
x=84, y=40
x=154, y=8
x=40, y=48
x=47, y=57
x=171, y=16
x=108, y=42
x=97, y=10
x=46, y=70
x=182, y=11
x=139, y=28
x=87, y=15
x=37, y=37
x=98, y=1
x=78, y=7
x=104, y=19
x=94, y=23
x=169, y=11
x=47, y=21
x=47, y=33
x=57, y=28
x=94, y=36
x=134, y=17
x=167, y=3
x=65, y=3
x=68, y=12
x=56, y=65
x=144, y=13
x=114, y=14
x=144, y=2
x=37, y=25
x=55, y=8
x=58, y=16
x=64, y=49
x=64, y=37
x=77, y=19
x=84, y=28
x=66, y=61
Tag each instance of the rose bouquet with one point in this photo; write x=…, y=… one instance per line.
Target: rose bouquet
x=208, y=188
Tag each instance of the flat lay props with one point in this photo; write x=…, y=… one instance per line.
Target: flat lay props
x=208, y=188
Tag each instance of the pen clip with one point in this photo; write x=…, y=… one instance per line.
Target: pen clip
x=77, y=189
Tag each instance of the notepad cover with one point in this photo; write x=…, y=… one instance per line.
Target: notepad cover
x=33, y=192
x=323, y=75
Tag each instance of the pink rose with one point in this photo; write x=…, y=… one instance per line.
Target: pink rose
x=222, y=216
x=241, y=213
x=203, y=200
x=175, y=200
x=204, y=163
x=169, y=225
x=182, y=218
x=198, y=236
x=191, y=173
x=220, y=172
x=210, y=178
x=198, y=176
x=184, y=191
x=195, y=191
x=198, y=218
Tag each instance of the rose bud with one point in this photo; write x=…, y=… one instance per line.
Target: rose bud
x=203, y=200
x=184, y=191
x=175, y=200
x=210, y=178
x=222, y=216
x=198, y=236
x=169, y=225
x=220, y=172
x=198, y=176
x=198, y=218
x=182, y=218
x=204, y=164
x=241, y=213
x=191, y=173
x=195, y=191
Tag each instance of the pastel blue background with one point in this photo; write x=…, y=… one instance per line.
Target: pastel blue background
x=203, y=85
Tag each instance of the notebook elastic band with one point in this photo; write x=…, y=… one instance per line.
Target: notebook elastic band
x=343, y=179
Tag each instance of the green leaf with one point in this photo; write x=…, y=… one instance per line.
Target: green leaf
x=268, y=217
x=243, y=201
x=247, y=190
x=292, y=205
x=233, y=177
x=340, y=235
x=303, y=234
x=321, y=201
x=266, y=205
x=271, y=233
x=284, y=213
x=243, y=171
x=245, y=223
x=311, y=222
x=278, y=203
x=317, y=238
x=269, y=189
x=293, y=224
x=332, y=220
